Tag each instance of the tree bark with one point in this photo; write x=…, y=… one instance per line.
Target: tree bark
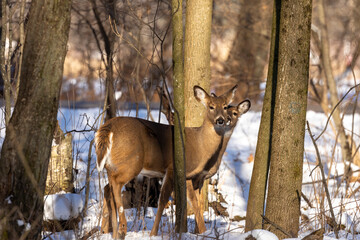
x=257, y=192
x=179, y=120
x=288, y=131
x=26, y=149
x=196, y=57
x=197, y=64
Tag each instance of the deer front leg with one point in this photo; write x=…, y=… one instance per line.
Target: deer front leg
x=119, y=229
x=193, y=198
x=165, y=192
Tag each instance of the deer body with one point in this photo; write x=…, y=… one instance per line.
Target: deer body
x=127, y=147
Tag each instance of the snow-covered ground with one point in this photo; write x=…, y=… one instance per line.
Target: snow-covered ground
x=233, y=183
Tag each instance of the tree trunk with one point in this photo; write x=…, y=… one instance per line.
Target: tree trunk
x=334, y=99
x=179, y=120
x=247, y=58
x=60, y=171
x=26, y=148
x=288, y=131
x=109, y=41
x=196, y=57
x=257, y=192
x=5, y=61
x=197, y=63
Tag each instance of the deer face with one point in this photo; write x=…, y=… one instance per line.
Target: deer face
x=216, y=107
x=234, y=113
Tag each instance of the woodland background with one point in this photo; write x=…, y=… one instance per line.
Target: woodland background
x=128, y=45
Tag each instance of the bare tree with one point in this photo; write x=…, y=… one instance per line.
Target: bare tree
x=26, y=149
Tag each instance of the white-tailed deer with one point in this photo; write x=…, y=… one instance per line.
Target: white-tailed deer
x=234, y=113
x=128, y=146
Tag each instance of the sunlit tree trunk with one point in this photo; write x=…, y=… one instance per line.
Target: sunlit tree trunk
x=197, y=62
x=26, y=149
x=196, y=57
x=288, y=131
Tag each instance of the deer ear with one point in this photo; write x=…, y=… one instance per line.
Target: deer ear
x=230, y=94
x=244, y=106
x=201, y=95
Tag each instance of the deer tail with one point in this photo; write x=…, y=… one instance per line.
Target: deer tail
x=103, y=143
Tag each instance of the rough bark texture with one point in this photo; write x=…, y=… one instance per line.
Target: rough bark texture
x=26, y=148
x=196, y=57
x=257, y=192
x=287, y=145
x=179, y=120
x=60, y=171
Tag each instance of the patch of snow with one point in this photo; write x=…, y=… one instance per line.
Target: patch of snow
x=62, y=206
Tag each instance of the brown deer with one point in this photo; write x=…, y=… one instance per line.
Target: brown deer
x=234, y=113
x=128, y=146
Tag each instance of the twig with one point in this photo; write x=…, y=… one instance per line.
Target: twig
x=324, y=181
x=306, y=200
x=277, y=226
x=333, y=177
x=89, y=234
x=332, y=111
x=87, y=189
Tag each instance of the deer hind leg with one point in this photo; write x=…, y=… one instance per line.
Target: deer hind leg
x=166, y=189
x=107, y=210
x=193, y=197
x=119, y=228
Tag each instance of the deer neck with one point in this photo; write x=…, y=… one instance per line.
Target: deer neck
x=203, y=146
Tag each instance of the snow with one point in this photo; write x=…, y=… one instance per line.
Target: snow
x=62, y=206
x=233, y=180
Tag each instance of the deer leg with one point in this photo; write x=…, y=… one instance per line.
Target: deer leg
x=121, y=228
x=166, y=189
x=193, y=197
x=107, y=210
x=114, y=224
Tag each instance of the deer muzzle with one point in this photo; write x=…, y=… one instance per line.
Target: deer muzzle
x=220, y=121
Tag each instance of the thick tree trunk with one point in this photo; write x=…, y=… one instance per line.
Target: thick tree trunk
x=26, y=148
x=197, y=63
x=179, y=120
x=287, y=145
x=196, y=57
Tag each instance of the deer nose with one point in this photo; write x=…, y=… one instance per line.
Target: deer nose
x=220, y=121
x=228, y=121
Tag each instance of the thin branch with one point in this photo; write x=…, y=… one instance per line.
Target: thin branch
x=324, y=181
x=332, y=111
x=277, y=226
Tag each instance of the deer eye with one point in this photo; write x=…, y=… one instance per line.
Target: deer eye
x=211, y=107
x=225, y=107
x=235, y=114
